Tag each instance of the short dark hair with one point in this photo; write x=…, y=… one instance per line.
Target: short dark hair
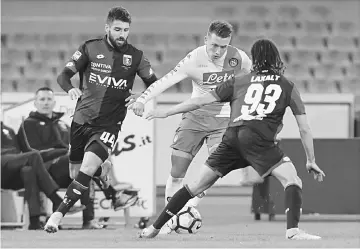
x=45, y=88
x=118, y=13
x=266, y=56
x=220, y=28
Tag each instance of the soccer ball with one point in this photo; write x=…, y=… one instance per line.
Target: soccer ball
x=188, y=220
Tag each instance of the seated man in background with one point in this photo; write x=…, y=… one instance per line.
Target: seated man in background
x=43, y=129
x=27, y=170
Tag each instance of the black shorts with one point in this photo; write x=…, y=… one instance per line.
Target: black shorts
x=81, y=136
x=242, y=147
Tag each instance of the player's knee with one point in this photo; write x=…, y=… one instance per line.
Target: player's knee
x=98, y=150
x=293, y=180
x=74, y=169
x=180, y=163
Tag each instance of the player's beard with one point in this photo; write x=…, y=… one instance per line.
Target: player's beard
x=114, y=42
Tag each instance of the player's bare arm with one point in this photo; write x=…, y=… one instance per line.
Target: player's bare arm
x=186, y=106
x=174, y=76
x=307, y=141
x=298, y=108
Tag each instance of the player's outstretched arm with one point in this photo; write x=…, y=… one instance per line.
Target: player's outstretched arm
x=186, y=106
x=176, y=75
x=308, y=143
x=298, y=108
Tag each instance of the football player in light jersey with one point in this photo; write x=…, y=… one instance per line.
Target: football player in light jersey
x=208, y=66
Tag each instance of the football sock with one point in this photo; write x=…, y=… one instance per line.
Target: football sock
x=98, y=171
x=194, y=202
x=55, y=199
x=74, y=192
x=172, y=186
x=35, y=220
x=110, y=192
x=176, y=203
x=293, y=202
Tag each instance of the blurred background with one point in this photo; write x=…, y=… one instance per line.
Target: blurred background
x=319, y=40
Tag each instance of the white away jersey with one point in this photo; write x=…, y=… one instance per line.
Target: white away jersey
x=206, y=75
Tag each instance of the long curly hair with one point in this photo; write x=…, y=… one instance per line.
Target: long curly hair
x=266, y=56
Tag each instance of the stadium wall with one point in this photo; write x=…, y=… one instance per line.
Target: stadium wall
x=339, y=193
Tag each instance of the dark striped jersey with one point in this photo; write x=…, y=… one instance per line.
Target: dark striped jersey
x=259, y=100
x=106, y=77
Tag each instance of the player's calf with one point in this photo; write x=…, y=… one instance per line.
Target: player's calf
x=287, y=175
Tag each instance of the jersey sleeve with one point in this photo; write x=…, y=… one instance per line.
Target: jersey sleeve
x=180, y=72
x=79, y=60
x=296, y=104
x=224, y=92
x=145, y=71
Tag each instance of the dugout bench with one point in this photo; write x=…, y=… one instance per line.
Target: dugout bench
x=15, y=214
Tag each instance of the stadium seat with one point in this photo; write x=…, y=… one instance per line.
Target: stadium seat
x=244, y=42
x=303, y=57
x=320, y=72
x=334, y=72
x=335, y=57
x=345, y=28
x=182, y=41
x=283, y=42
x=174, y=55
x=355, y=57
x=7, y=85
x=323, y=86
x=351, y=86
x=156, y=41
x=320, y=12
x=153, y=56
x=342, y=43
x=257, y=12
x=16, y=57
x=353, y=71
x=286, y=28
x=48, y=57
x=299, y=74
x=23, y=41
x=315, y=28
x=56, y=42
x=288, y=13
x=310, y=43
x=252, y=27
x=165, y=68
x=34, y=72
x=10, y=72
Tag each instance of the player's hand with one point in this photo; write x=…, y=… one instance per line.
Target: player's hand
x=156, y=114
x=74, y=93
x=317, y=172
x=132, y=98
x=138, y=108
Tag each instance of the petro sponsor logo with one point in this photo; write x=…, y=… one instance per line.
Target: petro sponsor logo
x=217, y=77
